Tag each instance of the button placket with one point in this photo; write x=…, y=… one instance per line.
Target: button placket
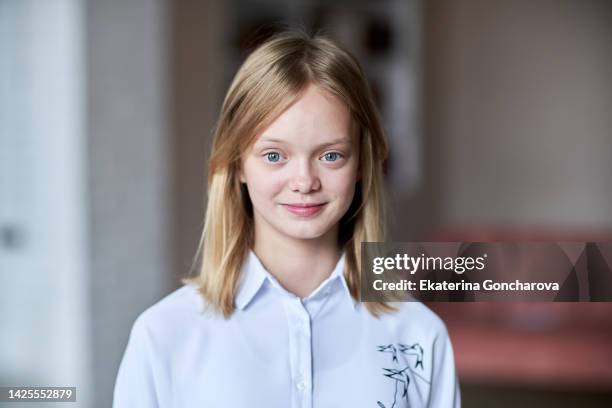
x=302, y=352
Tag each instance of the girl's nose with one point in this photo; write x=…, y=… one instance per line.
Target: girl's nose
x=305, y=179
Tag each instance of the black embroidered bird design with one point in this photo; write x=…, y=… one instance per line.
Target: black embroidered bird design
x=398, y=374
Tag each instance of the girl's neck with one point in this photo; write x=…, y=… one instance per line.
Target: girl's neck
x=299, y=265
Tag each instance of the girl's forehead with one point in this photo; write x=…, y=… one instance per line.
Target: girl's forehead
x=317, y=116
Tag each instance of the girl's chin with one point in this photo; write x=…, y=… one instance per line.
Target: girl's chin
x=313, y=232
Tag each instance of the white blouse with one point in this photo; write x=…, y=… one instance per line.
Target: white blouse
x=278, y=351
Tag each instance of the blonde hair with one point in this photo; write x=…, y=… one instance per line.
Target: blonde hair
x=268, y=82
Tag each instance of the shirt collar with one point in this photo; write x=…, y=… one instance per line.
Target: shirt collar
x=254, y=275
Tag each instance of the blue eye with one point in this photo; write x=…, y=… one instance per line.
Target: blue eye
x=273, y=157
x=331, y=156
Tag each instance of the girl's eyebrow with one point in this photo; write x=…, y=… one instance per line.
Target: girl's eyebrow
x=269, y=139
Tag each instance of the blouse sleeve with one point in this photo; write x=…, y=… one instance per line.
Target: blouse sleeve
x=139, y=380
x=444, y=386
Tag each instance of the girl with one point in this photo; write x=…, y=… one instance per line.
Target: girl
x=274, y=318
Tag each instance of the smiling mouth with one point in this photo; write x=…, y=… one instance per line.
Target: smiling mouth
x=304, y=210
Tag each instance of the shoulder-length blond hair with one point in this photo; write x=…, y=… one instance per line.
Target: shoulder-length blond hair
x=271, y=79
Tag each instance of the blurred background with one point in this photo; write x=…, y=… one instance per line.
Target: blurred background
x=499, y=116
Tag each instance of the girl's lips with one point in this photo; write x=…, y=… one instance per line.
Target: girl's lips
x=304, y=210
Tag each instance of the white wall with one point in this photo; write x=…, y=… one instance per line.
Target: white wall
x=85, y=174
x=44, y=274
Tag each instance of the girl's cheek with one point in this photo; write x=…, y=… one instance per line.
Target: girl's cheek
x=275, y=185
x=345, y=176
x=257, y=168
x=271, y=182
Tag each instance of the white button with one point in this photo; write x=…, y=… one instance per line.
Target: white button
x=301, y=385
